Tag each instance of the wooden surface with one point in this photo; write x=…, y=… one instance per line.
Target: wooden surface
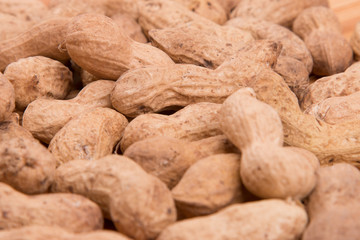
x=348, y=12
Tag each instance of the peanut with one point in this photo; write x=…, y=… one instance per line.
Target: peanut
x=153, y=89
x=194, y=122
x=38, y=77
x=267, y=169
x=42, y=39
x=69, y=211
x=168, y=158
x=7, y=98
x=129, y=25
x=294, y=63
x=200, y=44
x=266, y=219
x=335, y=195
x=341, y=84
x=210, y=9
x=12, y=26
x=140, y=205
x=26, y=10
x=94, y=41
x=355, y=41
x=101, y=129
x=321, y=31
x=25, y=164
x=158, y=14
x=279, y=12
x=36, y=232
x=336, y=109
x=330, y=143
x=209, y=185
x=45, y=117
x=228, y=5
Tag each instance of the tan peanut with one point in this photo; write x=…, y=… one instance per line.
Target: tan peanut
x=140, y=205
x=25, y=164
x=7, y=98
x=321, y=31
x=336, y=109
x=337, y=85
x=168, y=158
x=158, y=14
x=210, y=9
x=12, y=26
x=330, y=143
x=266, y=219
x=26, y=10
x=279, y=12
x=96, y=44
x=101, y=129
x=200, y=44
x=209, y=185
x=194, y=122
x=72, y=8
x=69, y=211
x=294, y=63
x=355, y=41
x=129, y=26
x=37, y=232
x=333, y=206
x=228, y=5
x=267, y=169
x=45, y=117
x=38, y=77
x=153, y=89
x=42, y=39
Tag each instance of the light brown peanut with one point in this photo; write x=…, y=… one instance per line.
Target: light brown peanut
x=96, y=44
x=330, y=143
x=26, y=10
x=333, y=206
x=12, y=26
x=337, y=85
x=321, y=31
x=129, y=26
x=69, y=211
x=355, y=41
x=7, y=98
x=267, y=169
x=194, y=122
x=101, y=129
x=45, y=117
x=38, y=77
x=25, y=164
x=140, y=205
x=210, y=9
x=294, y=63
x=38, y=232
x=266, y=219
x=168, y=158
x=154, y=89
x=200, y=44
x=42, y=39
x=279, y=12
x=158, y=14
x=336, y=109
x=209, y=185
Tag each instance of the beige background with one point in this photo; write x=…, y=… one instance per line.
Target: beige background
x=348, y=12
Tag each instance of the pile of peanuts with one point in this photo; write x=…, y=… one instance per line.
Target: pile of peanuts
x=178, y=120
